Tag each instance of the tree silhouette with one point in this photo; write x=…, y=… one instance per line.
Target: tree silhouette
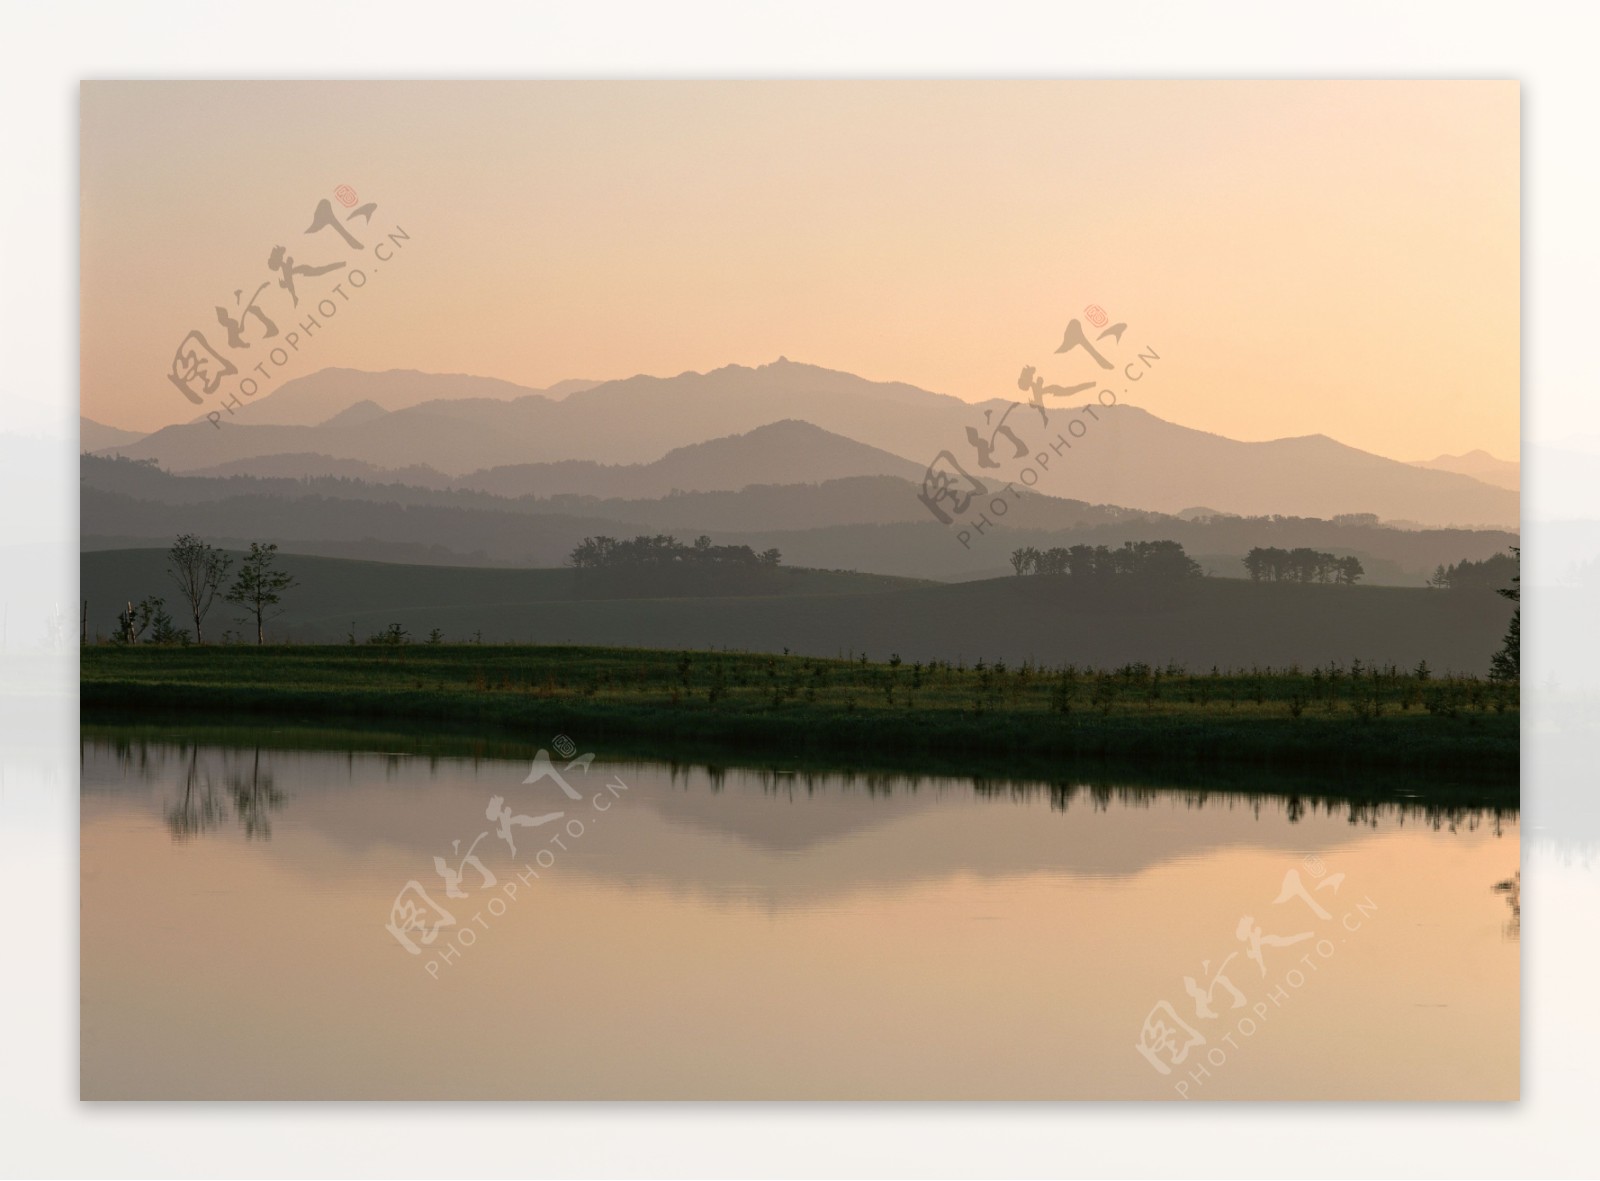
x=1154, y=561
x=198, y=570
x=259, y=588
x=1302, y=564
x=664, y=552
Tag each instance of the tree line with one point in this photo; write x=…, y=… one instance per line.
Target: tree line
x=200, y=572
x=1302, y=564
x=1159, y=561
x=664, y=552
x=1490, y=574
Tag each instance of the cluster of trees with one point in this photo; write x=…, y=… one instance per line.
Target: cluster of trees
x=148, y=621
x=1490, y=574
x=1303, y=564
x=200, y=573
x=662, y=551
x=1159, y=561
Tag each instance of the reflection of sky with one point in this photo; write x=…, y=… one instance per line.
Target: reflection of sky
x=750, y=942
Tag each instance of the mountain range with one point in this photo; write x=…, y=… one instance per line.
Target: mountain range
x=787, y=422
x=873, y=523
x=1480, y=465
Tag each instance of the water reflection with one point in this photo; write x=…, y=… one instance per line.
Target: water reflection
x=778, y=932
x=255, y=798
x=201, y=806
x=1512, y=889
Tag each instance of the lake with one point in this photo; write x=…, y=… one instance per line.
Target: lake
x=263, y=917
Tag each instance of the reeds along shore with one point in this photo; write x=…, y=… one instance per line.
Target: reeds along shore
x=1338, y=717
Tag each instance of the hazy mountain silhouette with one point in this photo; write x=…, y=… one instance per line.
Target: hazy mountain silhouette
x=1133, y=458
x=307, y=465
x=1480, y=465
x=97, y=436
x=787, y=452
x=1127, y=456
x=869, y=523
x=319, y=396
x=363, y=411
x=634, y=421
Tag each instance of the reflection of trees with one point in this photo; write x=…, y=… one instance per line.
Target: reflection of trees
x=1512, y=889
x=1460, y=815
x=202, y=808
x=255, y=799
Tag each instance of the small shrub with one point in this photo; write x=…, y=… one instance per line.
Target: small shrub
x=392, y=636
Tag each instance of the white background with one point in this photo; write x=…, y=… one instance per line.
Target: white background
x=46, y=49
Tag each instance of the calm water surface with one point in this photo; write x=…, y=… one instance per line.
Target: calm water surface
x=747, y=934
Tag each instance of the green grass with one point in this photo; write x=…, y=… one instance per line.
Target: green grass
x=1327, y=720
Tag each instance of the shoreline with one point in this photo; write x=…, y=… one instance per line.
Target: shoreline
x=751, y=704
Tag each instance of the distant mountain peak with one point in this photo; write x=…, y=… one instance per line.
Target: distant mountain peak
x=96, y=436
x=1480, y=465
x=1475, y=454
x=363, y=411
x=786, y=452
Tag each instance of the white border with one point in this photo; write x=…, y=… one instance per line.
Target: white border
x=1549, y=48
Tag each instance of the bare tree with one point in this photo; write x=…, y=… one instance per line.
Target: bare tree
x=259, y=588
x=198, y=570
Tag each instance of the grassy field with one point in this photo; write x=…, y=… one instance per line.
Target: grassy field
x=1333, y=719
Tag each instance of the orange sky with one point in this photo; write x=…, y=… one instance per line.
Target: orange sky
x=1333, y=257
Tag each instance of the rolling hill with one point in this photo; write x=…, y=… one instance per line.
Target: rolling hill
x=1225, y=622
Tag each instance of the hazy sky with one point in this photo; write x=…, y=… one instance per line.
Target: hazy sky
x=1333, y=257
